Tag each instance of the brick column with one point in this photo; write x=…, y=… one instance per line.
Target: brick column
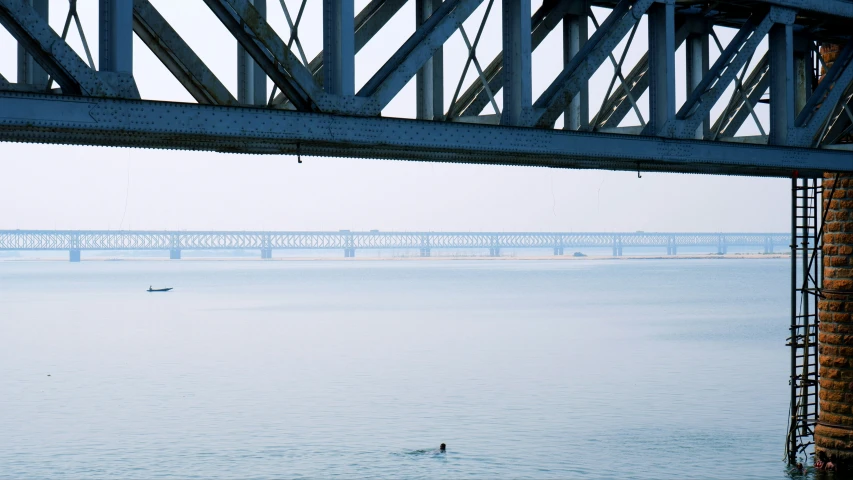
x=834, y=434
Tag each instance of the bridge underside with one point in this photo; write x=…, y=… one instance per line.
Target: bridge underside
x=128, y=123
x=315, y=107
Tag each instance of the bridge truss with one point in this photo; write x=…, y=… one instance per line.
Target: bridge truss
x=315, y=108
x=77, y=240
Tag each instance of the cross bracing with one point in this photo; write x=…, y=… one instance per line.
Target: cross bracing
x=237, y=240
x=752, y=103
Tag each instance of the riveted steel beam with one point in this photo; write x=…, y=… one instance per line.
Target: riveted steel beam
x=517, y=69
x=782, y=100
x=575, y=35
x=617, y=105
x=33, y=32
x=568, y=83
x=369, y=20
x=90, y=121
x=842, y=124
x=251, y=80
x=165, y=43
x=429, y=90
x=409, y=58
x=475, y=98
x=29, y=71
x=723, y=72
x=736, y=112
x=4, y=84
x=260, y=41
x=824, y=100
x=338, y=47
x=840, y=8
x=661, y=21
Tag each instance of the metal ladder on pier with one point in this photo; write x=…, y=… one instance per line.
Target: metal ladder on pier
x=806, y=282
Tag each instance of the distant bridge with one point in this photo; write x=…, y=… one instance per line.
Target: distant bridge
x=75, y=241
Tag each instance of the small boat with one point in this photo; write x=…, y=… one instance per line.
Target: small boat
x=150, y=289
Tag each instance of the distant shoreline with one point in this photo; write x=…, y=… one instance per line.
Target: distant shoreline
x=561, y=258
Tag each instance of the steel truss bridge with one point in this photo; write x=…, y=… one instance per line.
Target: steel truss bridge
x=75, y=241
x=805, y=78
x=60, y=95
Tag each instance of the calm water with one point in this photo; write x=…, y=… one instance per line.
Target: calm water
x=526, y=369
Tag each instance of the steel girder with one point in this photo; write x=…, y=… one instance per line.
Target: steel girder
x=236, y=240
x=38, y=118
x=810, y=134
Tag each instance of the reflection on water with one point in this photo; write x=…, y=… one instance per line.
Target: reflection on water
x=526, y=369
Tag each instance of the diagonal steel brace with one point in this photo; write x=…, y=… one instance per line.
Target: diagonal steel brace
x=476, y=97
x=369, y=21
x=177, y=56
x=724, y=72
x=267, y=49
x=736, y=112
x=552, y=103
x=54, y=55
x=825, y=99
x=408, y=59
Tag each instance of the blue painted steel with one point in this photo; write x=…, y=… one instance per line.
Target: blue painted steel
x=574, y=76
x=29, y=118
x=405, y=63
x=97, y=108
x=32, y=31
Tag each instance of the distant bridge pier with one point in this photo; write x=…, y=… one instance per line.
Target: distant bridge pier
x=74, y=255
x=175, y=254
x=495, y=251
x=266, y=253
x=671, y=247
x=349, y=252
x=768, y=245
x=558, y=251
x=722, y=247
x=617, y=246
x=425, y=242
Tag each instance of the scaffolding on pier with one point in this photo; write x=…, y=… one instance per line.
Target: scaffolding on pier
x=806, y=284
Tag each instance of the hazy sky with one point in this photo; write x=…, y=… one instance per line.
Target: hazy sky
x=45, y=186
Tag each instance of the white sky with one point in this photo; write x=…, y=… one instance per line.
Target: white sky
x=45, y=186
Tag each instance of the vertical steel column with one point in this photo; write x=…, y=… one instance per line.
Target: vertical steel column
x=661, y=18
x=516, y=61
x=575, y=35
x=781, y=45
x=339, y=47
x=697, y=50
x=251, y=79
x=430, y=78
x=115, y=39
x=803, y=74
x=30, y=72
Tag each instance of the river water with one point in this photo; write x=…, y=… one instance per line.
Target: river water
x=525, y=369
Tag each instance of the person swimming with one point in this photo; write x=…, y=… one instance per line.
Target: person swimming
x=442, y=448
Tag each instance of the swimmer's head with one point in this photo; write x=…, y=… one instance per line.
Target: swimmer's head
x=443, y=447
